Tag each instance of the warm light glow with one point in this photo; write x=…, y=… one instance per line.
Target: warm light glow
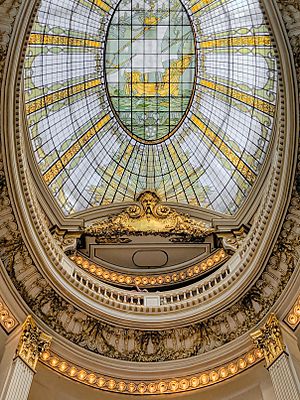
x=45, y=355
x=101, y=382
x=232, y=368
x=63, y=366
x=204, y=379
x=214, y=376
x=151, y=280
x=73, y=371
x=81, y=375
x=54, y=361
x=223, y=372
x=168, y=386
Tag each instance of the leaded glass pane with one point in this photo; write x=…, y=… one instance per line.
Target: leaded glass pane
x=80, y=107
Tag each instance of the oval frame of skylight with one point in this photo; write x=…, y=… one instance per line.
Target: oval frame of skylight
x=150, y=67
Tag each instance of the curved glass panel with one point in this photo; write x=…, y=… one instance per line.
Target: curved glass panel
x=87, y=158
x=150, y=66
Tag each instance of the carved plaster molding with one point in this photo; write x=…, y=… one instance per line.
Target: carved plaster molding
x=235, y=284
x=174, y=385
x=215, y=259
x=151, y=345
x=8, y=12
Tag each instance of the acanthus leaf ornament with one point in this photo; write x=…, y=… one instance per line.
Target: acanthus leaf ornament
x=149, y=217
x=269, y=340
x=33, y=342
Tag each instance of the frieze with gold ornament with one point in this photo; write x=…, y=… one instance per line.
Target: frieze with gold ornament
x=149, y=217
x=148, y=345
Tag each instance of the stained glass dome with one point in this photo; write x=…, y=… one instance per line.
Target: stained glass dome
x=175, y=97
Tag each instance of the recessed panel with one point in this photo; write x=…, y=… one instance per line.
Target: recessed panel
x=148, y=258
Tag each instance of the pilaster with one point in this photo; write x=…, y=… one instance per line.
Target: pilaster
x=283, y=375
x=32, y=342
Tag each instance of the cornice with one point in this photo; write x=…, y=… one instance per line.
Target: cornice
x=199, y=379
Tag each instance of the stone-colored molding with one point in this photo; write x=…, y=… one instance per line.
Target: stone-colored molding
x=269, y=340
x=153, y=345
x=172, y=385
x=247, y=252
x=7, y=320
x=33, y=342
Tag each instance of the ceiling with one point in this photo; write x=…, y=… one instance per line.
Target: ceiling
x=231, y=123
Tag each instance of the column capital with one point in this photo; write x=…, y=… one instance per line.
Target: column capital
x=32, y=343
x=269, y=340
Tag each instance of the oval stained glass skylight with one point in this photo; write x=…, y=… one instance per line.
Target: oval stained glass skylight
x=150, y=66
x=217, y=151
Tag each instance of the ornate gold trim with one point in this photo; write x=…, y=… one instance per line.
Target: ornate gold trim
x=44, y=39
x=293, y=317
x=7, y=319
x=237, y=41
x=172, y=385
x=33, y=342
x=269, y=340
x=149, y=217
x=49, y=99
x=198, y=269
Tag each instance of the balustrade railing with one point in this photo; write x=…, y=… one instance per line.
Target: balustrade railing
x=138, y=301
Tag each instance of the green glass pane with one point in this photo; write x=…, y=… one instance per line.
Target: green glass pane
x=150, y=66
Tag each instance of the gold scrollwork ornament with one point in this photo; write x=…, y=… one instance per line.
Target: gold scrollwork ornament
x=149, y=217
x=269, y=340
x=33, y=342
